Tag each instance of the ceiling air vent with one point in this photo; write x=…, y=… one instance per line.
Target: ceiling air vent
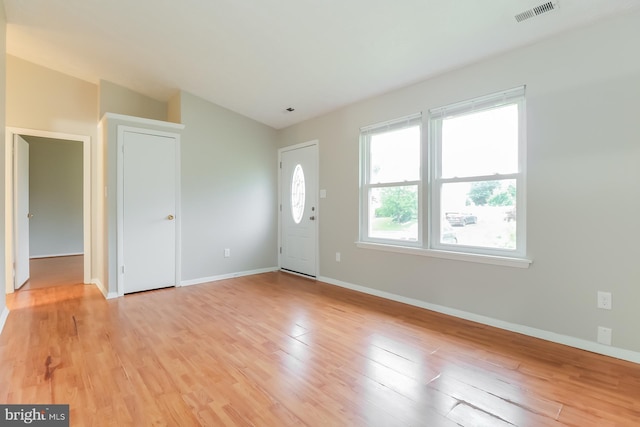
x=538, y=10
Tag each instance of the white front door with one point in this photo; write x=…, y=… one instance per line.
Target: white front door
x=299, y=209
x=22, y=214
x=148, y=211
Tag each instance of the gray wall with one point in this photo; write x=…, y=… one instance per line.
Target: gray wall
x=583, y=122
x=229, y=191
x=55, y=197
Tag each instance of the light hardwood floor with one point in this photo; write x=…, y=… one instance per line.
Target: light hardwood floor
x=280, y=350
x=54, y=271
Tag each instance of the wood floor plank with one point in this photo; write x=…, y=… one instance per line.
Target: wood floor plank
x=280, y=350
x=54, y=271
x=469, y=416
x=509, y=386
x=495, y=406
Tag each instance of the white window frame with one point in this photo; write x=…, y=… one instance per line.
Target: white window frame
x=514, y=96
x=366, y=185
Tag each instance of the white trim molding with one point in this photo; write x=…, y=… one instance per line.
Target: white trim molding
x=618, y=353
x=227, y=276
x=56, y=255
x=103, y=290
x=457, y=256
x=3, y=318
x=10, y=131
x=141, y=121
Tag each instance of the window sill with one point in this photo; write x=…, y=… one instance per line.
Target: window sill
x=458, y=256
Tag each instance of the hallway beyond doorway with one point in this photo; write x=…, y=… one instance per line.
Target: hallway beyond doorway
x=54, y=271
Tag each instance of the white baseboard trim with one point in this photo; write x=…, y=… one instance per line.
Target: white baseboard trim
x=227, y=276
x=55, y=255
x=3, y=317
x=103, y=289
x=594, y=347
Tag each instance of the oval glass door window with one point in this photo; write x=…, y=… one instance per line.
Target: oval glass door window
x=297, y=194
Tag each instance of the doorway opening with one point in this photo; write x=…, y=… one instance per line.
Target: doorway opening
x=54, y=271
x=55, y=211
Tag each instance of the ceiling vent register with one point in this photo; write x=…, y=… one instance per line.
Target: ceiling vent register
x=536, y=11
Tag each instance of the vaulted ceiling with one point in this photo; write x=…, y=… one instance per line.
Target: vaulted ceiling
x=260, y=57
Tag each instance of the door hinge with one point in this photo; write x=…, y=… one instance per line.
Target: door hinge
x=123, y=269
x=280, y=165
x=280, y=249
x=280, y=207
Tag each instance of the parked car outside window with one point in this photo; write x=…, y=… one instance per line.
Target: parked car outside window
x=460, y=219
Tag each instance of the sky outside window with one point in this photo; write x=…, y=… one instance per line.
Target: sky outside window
x=395, y=156
x=481, y=143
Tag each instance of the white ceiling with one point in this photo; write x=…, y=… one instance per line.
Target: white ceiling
x=258, y=57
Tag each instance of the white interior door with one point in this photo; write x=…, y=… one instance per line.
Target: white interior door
x=149, y=210
x=299, y=211
x=21, y=206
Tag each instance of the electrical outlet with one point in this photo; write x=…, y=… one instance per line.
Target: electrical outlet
x=604, y=300
x=337, y=256
x=604, y=335
x=227, y=252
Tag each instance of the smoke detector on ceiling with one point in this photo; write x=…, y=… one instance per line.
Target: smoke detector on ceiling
x=537, y=11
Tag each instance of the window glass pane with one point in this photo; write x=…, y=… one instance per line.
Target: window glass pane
x=481, y=214
x=395, y=156
x=393, y=212
x=481, y=143
x=297, y=194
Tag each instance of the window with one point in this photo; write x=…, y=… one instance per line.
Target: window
x=391, y=187
x=474, y=175
x=297, y=194
x=477, y=175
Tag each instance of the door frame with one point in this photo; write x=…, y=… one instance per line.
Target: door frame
x=10, y=197
x=120, y=283
x=316, y=190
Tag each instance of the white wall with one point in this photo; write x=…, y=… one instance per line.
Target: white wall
x=55, y=197
x=583, y=105
x=229, y=191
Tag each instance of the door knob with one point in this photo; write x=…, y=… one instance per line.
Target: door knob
x=170, y=217
x=29, y=215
